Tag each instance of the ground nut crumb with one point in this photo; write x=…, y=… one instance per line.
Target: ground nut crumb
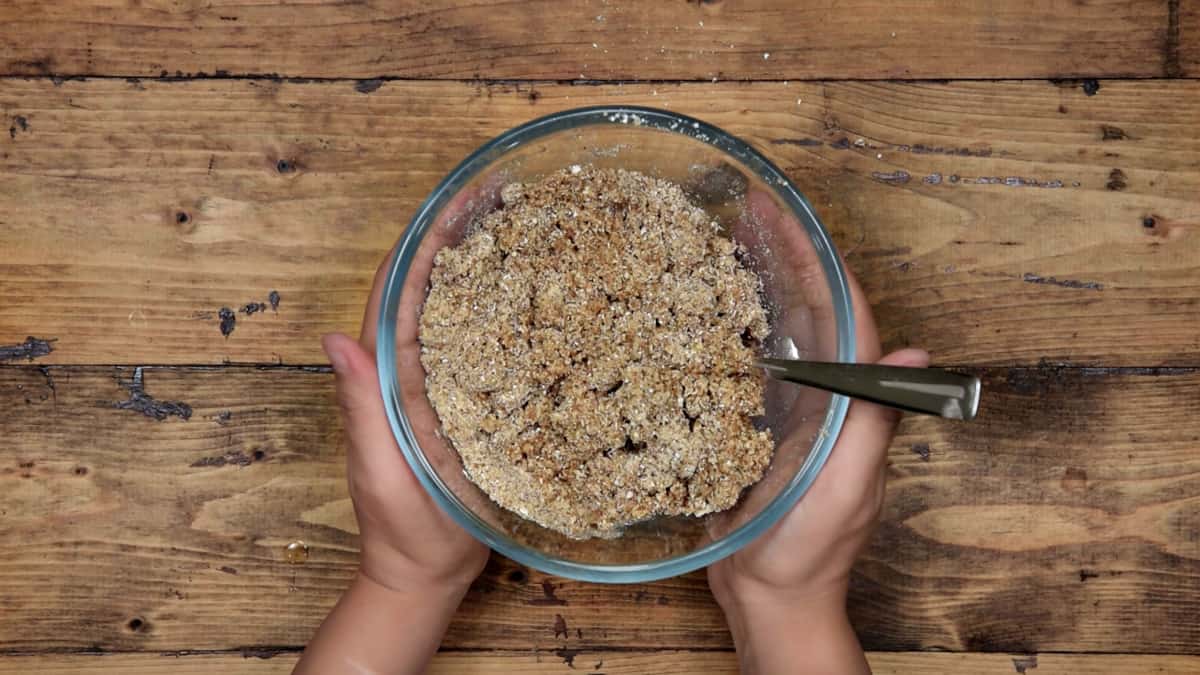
x=589, y=350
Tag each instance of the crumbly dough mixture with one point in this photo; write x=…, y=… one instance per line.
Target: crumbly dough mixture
x=588, y=349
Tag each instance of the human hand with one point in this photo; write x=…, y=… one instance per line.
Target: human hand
x=784, y=595
x=415, y=562
x=407, y=541
x=807, y=556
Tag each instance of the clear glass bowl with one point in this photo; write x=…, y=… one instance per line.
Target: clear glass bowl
x=805, y=289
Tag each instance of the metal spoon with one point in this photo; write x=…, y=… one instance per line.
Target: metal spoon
x=929, y=391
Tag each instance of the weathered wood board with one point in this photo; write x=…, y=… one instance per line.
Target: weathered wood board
x=1065, y=519
x=991, y=223
x=601, y=40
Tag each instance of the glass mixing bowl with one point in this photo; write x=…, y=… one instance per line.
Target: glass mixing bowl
x=804, y=287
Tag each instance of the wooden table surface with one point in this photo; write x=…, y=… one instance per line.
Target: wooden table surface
x=1016, y=184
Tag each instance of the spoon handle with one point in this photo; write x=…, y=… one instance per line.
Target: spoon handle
x=930, y=391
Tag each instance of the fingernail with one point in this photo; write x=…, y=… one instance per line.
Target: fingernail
x=919, y=358
x=336, y=358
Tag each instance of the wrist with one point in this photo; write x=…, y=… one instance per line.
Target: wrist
x=379, y=629
x=775, y=628
x=400, y=573
x=740, y=593
x=445, y=595
x=751, y=604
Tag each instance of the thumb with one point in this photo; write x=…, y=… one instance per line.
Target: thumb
x=361, y=403
x=357, y=386
x=869, y=427
x=909, y=357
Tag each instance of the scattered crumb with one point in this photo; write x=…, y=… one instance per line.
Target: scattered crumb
x=589, y=352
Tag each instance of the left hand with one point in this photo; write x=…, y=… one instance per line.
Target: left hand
x=416, y=563
x=407, y=541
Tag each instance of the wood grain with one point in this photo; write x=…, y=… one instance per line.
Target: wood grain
x=611, y=663
x=1064, y=519
x=1183, y=38
x=542, y=39
x=132, y=212
x=268, y=147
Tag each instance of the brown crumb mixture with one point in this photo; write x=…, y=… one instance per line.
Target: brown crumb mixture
x=589, y=353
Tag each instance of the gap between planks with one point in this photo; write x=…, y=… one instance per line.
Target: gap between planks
x=614, y=662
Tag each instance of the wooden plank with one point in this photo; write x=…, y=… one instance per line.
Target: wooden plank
x=543, y=39
x=133, y=211
x=1034, y=539
x=1183, y=38
x=1064, y=519
x=610, y=663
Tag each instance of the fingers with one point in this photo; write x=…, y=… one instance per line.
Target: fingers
x=435, y=239
x=909, y=357
x=866, y=334
x=371, y=313
x=861, y=448
x=371, y=445
x=795, y=281
x=783, y=255
x=447, y=229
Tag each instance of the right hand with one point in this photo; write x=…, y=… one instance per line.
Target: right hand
x=784, y=595
x=807, y=556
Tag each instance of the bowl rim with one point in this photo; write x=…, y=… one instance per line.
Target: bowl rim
x=663, y=120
